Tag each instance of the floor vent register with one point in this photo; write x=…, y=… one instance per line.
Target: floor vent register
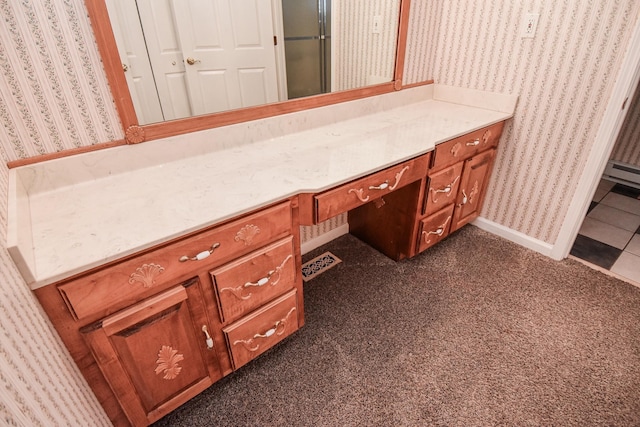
x=319, y=264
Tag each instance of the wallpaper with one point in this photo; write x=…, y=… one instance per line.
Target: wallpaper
x=39, y=382
x=627, y=148
x=364, y=58
x=53, y=90
x=564, y=77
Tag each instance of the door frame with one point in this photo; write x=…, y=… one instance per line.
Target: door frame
x=281, y=67
x=615, y=113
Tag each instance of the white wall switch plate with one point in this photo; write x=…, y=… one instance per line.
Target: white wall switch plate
x=376, y=27
x=529, y=25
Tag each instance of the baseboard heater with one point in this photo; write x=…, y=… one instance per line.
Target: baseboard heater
x=623, y=173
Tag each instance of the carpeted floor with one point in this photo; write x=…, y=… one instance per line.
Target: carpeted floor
x=477, y=331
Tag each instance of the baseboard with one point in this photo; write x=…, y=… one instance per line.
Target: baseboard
x=484, y=224
x=622, y=173
x=324, y=238
x=515, y=236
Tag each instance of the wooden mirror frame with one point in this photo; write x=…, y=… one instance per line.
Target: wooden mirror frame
x=135, y=133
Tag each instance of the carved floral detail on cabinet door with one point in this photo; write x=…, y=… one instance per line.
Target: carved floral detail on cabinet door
x=247, y=234
x=146, y=274
x=167, y=362
x=474, y=192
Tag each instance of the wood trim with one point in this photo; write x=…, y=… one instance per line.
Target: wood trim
x=418, y=84
x=401, y=45
x=37, y=159
x=194, y=124
x=106, y=41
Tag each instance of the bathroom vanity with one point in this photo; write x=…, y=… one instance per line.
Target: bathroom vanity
x=168, y=265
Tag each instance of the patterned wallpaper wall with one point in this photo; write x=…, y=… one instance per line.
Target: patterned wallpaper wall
x=564, y=77
x=39, y=382
x=364, y=58
x=627, y=148
x=53, y=91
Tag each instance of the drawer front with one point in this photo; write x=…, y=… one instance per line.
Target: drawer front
x=361, y=191
x=463, y=147
x=115, y=287
x=442, y=188
x=435, y=228
x=249, y=282
x=256, y=333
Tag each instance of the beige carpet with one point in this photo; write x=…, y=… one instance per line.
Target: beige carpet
x=477, y=331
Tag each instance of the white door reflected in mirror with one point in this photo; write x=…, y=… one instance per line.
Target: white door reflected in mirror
x=223, y=48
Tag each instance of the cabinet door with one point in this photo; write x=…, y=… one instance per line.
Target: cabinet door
x=155, y=355
x=475, y=177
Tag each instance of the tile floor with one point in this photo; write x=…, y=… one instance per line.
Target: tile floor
x=610, y=234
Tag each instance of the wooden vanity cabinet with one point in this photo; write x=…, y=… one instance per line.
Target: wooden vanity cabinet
x=473, y=186
x=154, y=329
x=447, y=196
x=158, y=353
x=456, y=184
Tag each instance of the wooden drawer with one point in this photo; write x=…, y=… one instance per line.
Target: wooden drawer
x=463, y=147
x=123, y=284
x=249, y=282
x=435, y=228
x=361, y=191
x=442, y=188
x=256, y=333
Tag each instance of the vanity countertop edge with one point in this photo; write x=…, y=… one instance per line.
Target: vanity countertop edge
x=72, y=214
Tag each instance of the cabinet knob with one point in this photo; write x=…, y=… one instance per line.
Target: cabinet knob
x=208, y=339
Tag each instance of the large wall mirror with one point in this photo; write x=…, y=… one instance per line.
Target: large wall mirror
x=176, y=66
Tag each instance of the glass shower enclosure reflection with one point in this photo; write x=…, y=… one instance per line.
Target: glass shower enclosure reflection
x=307, y=41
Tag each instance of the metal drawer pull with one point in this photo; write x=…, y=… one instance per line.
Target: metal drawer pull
x=474, y=143
x=385, y=185
x=382, y=186
x=202, y=255
x=278, y=329
x=446, y=190
x=237, y=291
x=208, y=340
x=266, y=279
x=438, y=231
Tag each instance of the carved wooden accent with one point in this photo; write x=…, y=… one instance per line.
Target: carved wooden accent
x=486, y=137
x=146, y=274
x=135, y=134
x=247, y=233
x=475, y=190
x=455, y=149
x=167, y=362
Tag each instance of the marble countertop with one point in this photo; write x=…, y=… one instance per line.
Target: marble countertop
x=72, y=214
